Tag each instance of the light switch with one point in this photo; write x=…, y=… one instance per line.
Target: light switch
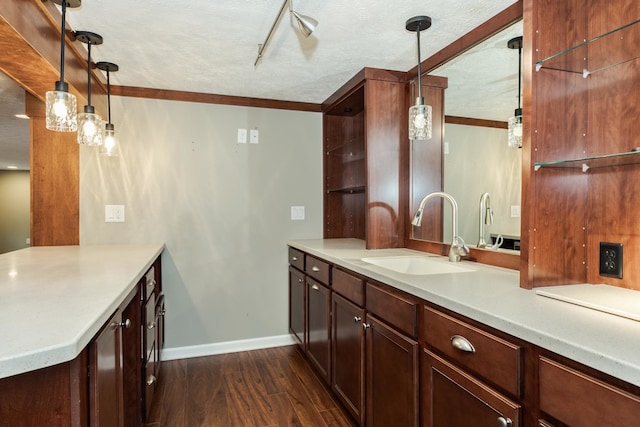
x=114, y=213
x=253, y=136
x=242, y=136
x=515, y=211
x=297, y=213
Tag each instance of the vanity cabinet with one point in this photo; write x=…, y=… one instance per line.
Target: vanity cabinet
x=575, y=398
x=468, y=367
x=348, y=342
x=318, y=348
x=297, y=298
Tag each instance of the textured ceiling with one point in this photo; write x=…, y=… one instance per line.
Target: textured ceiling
x=210, y=47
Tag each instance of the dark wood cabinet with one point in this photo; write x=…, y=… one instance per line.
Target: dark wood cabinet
x=297, y=306
x=152, y=335
x=452, y=397
x=348, y=349
x=392, y=376
x=319, y=327
x=364, y=136
x=105, y=374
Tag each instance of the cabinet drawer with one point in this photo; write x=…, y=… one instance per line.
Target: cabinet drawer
x=317, y=269
x=150, y=325
x=576, y=399
x=496, y=360
x=149, y=386
x=296, y=258
x=393, y=309
x=348, y=286
x=149, y=283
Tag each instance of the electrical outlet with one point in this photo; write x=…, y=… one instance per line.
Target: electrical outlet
x=611, y=260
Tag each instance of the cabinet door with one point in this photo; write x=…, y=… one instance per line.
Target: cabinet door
x=105, y=377
x=131, y=362
x=348, y=355
x=392, y=377
x=318, y=322
x=452, y=397
x=297, y=306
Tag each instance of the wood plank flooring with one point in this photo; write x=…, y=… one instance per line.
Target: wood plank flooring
x=260, y=388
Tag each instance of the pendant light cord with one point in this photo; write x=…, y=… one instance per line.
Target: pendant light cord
x=89, y=73
x=62, y=31
x=419, y=65
x=108, y=97
x=519, y=73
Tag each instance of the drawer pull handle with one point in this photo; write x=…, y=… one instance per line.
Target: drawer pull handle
x=366, y=325
x=152, y=283
x=504, y=422
x=295, y=258
x=314, y=268
x=151, y=379
x=315, y=287
x=357, y=319
x=125, y=324
x=163, y=312
x=151, y=325
x=462, y=344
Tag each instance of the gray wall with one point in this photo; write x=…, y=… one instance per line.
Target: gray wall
x=14, y=210
x=480, y=161
x=221, y=208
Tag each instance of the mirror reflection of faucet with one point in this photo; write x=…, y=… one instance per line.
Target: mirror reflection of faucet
x=486, y=217
x=458, y=247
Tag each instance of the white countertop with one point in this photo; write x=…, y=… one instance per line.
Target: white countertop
x=492, y=296
x=53, y=300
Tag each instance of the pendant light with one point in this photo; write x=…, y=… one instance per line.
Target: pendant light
x=89, y=123
x=419, y=114
x=109, y=143
x=61, y=114
x=515, y=122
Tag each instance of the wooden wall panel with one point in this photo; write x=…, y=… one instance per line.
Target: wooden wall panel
x=573, y=117
x=55, y=182
x=384, y=102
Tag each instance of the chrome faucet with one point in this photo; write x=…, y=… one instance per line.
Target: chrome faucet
x=486, y=217
x=458, y=247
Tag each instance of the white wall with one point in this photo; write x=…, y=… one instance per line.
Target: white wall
x=221, y=208
x=480, y=161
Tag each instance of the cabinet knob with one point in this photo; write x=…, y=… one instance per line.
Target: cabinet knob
x=151, y=325
x=504, y=422
x=462, y=344
x=315, y=287
x=366, y=325
x=163, y=312
x=357, y=319
x=152, y=283
x=151, y=379
x=295, y=258
x=299, y=280
x=314, y=268
x=126, y=323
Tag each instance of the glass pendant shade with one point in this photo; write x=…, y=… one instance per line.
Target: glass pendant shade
x=515, y=129
x=90, y=127
x=61, y=110
x=420, y=121
x=110, y=143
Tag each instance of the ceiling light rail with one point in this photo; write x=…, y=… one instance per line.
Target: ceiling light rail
x=306, y=24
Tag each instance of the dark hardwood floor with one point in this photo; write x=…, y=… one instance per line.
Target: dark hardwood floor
x=260, y=388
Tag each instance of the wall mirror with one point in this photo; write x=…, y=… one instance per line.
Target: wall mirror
x=481, y=96
x=14, y=167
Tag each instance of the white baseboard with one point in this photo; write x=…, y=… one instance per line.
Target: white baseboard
x=226, y=347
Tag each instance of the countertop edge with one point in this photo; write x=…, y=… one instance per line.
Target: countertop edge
x=69, y=349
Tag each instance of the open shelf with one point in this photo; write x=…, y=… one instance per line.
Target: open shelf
x=618, y=46
x=347, y=190
x=586, y=163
